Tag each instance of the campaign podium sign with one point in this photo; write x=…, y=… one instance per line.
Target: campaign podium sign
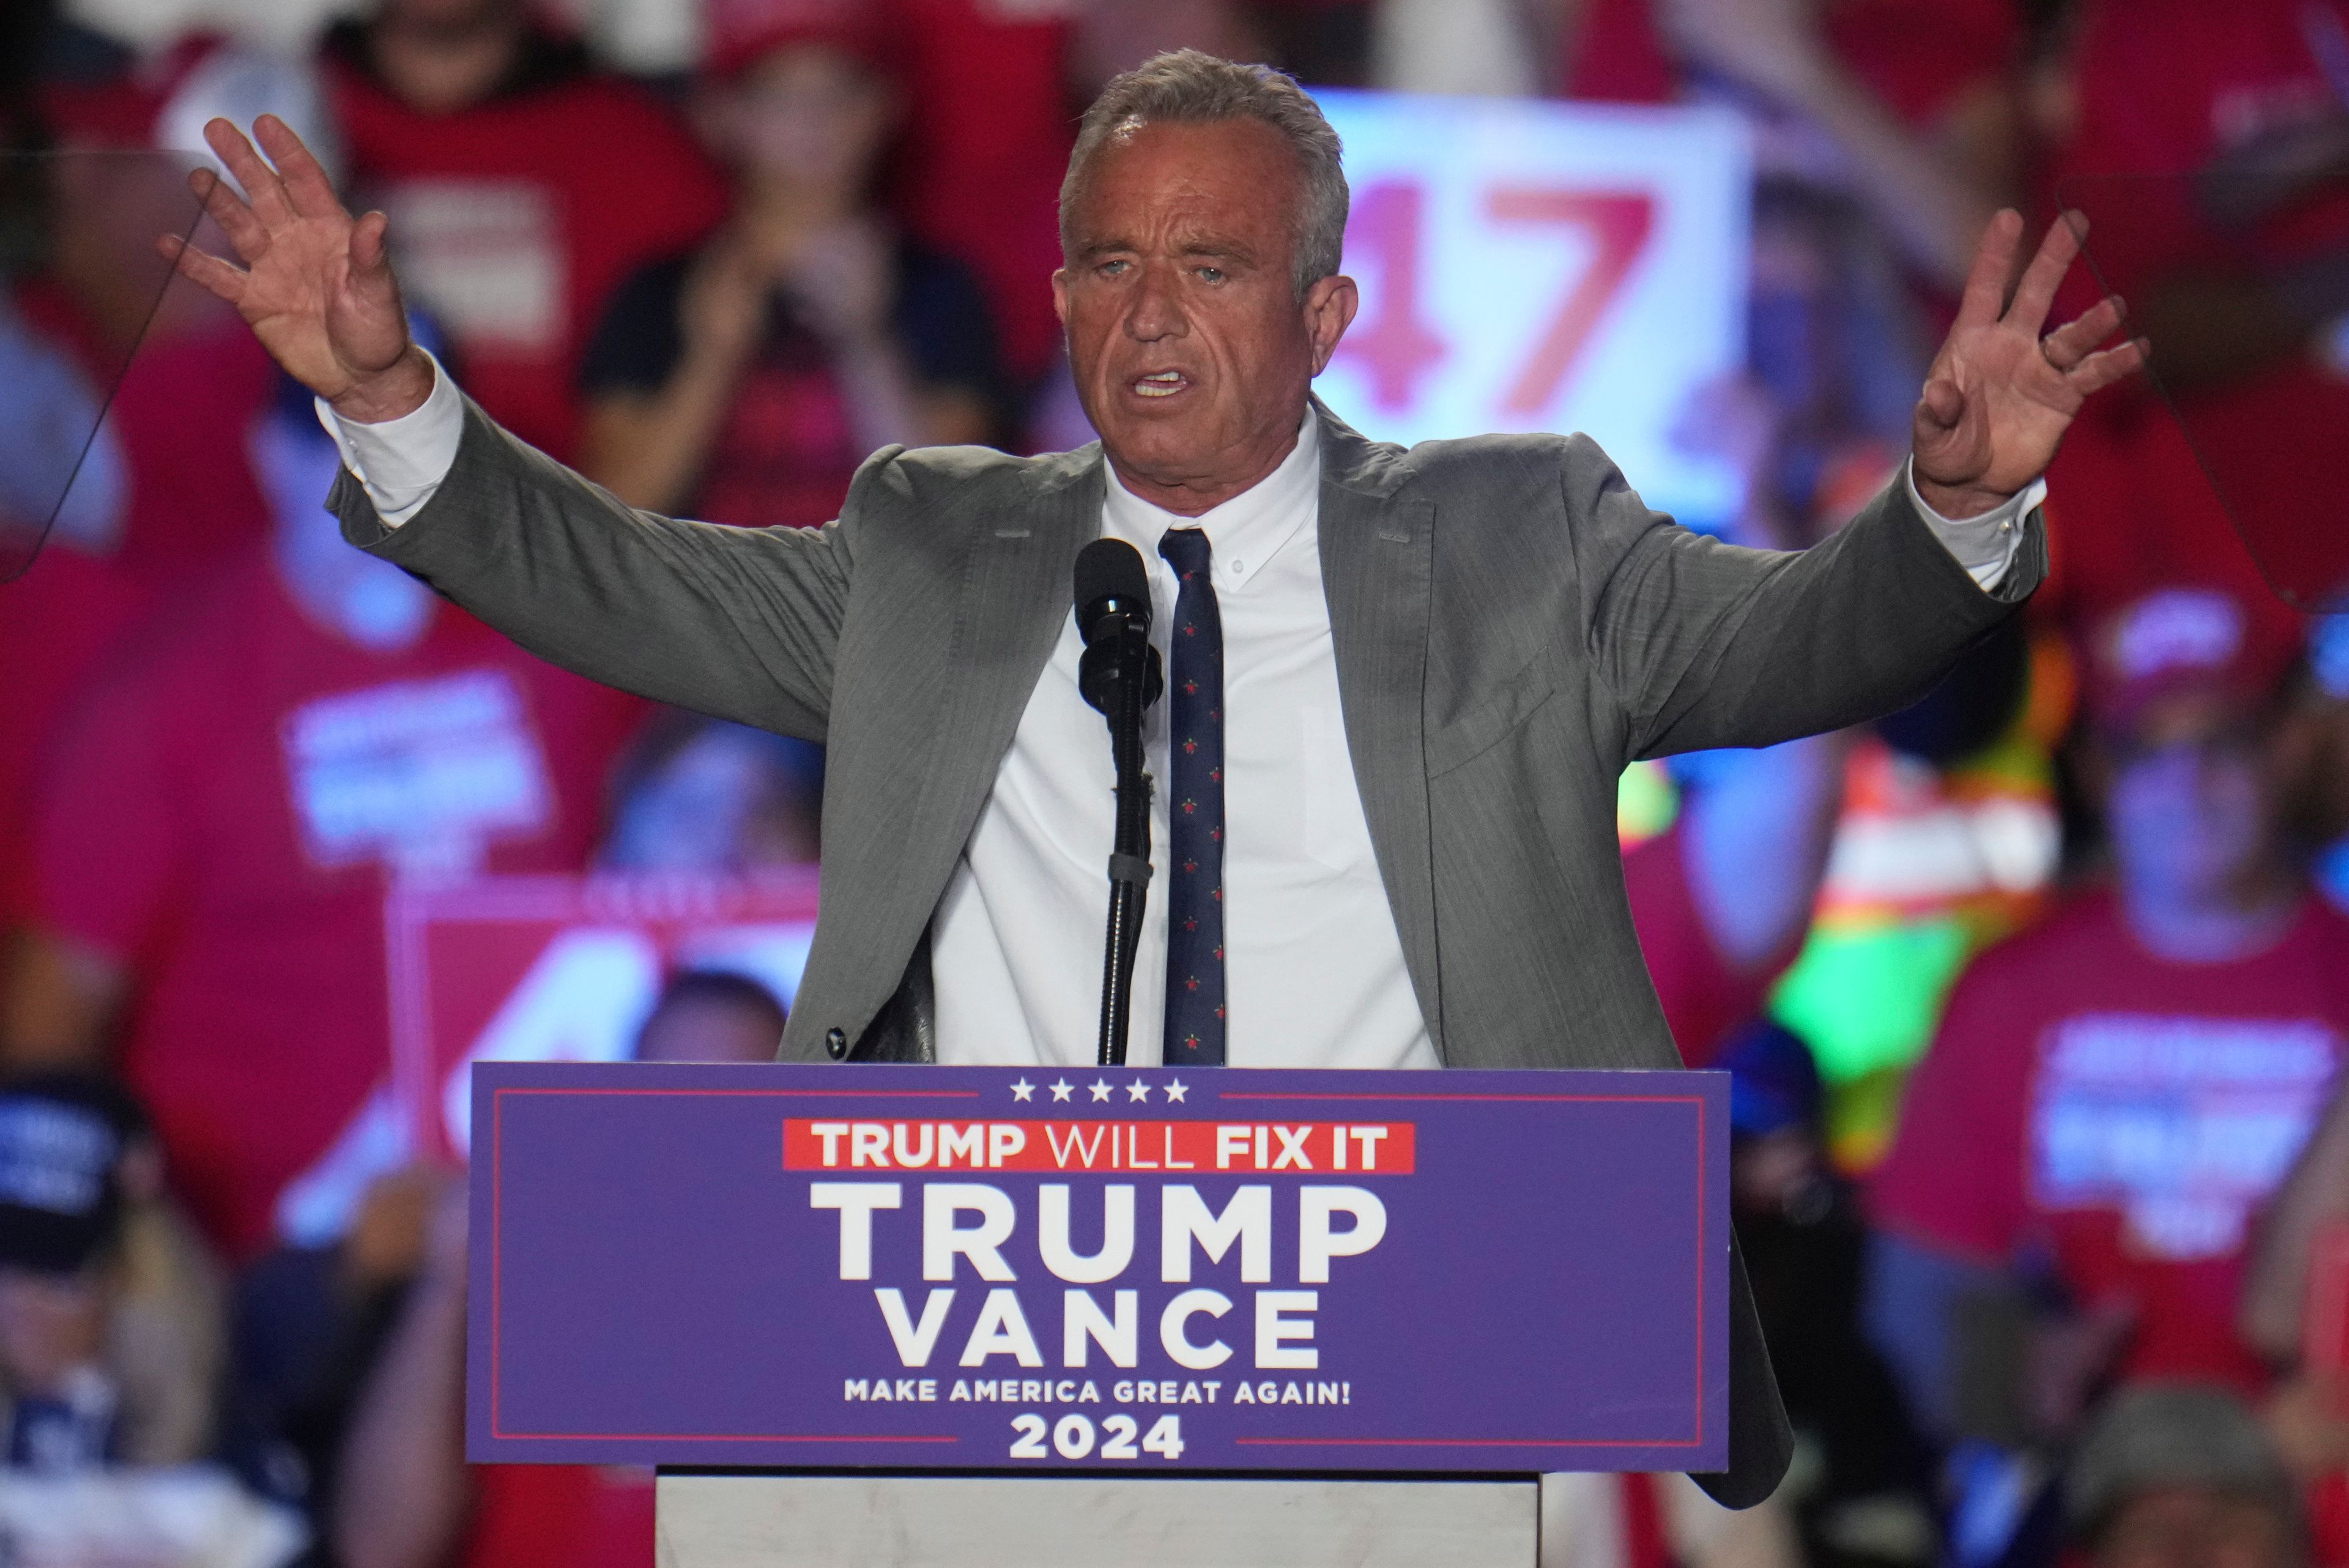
x=1144, y=1272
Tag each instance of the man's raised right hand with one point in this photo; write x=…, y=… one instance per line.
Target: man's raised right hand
x=316, y=286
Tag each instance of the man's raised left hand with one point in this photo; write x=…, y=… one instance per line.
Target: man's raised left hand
x=1999, y=396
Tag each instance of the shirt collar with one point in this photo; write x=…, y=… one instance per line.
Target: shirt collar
x=1244, y=532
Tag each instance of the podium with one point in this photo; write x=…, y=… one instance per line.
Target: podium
x=928, y=1316
x=1069, y=1521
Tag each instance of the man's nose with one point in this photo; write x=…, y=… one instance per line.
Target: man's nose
x=1154, y=310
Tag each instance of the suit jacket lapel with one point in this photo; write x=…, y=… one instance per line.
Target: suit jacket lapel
x=1377, y=566
x=1008, y=615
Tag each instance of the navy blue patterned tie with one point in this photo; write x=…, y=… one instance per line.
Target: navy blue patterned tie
x=1194, y=814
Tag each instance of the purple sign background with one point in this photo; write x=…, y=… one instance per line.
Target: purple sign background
x=652, y=1285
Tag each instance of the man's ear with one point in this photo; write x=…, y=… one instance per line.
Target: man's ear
x=1060, y=296
x=1329, y=306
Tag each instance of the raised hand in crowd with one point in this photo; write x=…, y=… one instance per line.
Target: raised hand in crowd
x=723, y=309
x=806, y=299
x=2303, y=1415
x=647, y=451
x=1930, y=190
x=1999, y=396
x=316, y=286
x=1775, y=46
x=843, y=280
x=403, y=1490
x=2312, y=1200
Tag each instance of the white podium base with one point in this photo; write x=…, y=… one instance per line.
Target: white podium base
x=1079, y=1522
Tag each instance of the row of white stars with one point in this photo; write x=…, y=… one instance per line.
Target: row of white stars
x=1135, y=1089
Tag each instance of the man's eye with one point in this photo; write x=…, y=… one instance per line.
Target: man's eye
x=1113, y=268
x=1211, y=274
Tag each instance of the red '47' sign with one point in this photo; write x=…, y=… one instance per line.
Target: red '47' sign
x=1538, y=266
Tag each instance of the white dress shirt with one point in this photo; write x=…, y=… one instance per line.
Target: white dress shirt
x=1314, y=972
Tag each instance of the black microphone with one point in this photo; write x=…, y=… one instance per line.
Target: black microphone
x=1120, y=676
x=1112, y=603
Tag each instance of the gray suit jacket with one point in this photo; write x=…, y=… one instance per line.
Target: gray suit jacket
x=1512, y=627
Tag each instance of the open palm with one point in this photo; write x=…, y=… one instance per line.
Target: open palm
x=316, y=286
x=1999, y=396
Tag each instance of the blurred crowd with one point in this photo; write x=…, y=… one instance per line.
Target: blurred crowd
x=2035, y=996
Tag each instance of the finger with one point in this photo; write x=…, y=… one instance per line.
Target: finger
x=261, y=185
x=373, y=287
x=2098, y=371
x=369, y=250
x=371, y=274
x=203, y=268
x=1985, y=293
x=307, y=186
x=1941, y=406
x=2075, y=339
x=2044, y=276
x=226, y=208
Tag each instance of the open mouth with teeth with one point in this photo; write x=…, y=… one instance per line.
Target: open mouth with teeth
x=1161, y=383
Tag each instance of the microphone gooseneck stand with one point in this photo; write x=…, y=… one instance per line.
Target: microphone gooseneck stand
x=1129, y=865
x=1120, y=675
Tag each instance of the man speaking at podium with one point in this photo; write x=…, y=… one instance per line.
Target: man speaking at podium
x=1401, y=684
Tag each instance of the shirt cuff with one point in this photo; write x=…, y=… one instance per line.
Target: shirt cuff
x=402, y=461
x=1984, y=545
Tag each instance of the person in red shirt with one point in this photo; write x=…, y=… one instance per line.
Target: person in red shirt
x=521, y=187
x=2114, y=1094
x=217, y=828
x=165, y=491
x=990, y=120
x=184, y=388
x=2220, y=209
x=744, y=381
x=55, y=624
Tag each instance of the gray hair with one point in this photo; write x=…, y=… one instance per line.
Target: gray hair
x=1186, y=86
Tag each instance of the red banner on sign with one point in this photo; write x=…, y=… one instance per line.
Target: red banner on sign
x=564, y=969
x=1238, y=1149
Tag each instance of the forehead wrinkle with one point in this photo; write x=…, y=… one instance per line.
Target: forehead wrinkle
x=1181, y=233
